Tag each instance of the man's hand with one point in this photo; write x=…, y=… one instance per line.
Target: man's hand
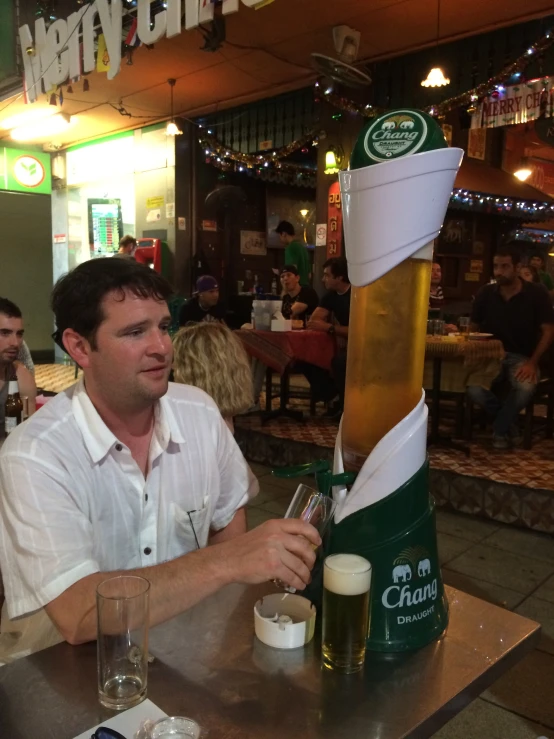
x=527, y=372
x=282, y=549
x=319, y=325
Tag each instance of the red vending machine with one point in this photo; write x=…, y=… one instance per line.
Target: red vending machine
x=153, y=253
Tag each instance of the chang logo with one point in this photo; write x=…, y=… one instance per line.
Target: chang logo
x=413, y=563
x=395, y=135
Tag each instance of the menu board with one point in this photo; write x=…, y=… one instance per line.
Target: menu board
x=105, y=226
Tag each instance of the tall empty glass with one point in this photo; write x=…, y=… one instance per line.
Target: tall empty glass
x=122, y=606
x=346, y=586
x=313, y=507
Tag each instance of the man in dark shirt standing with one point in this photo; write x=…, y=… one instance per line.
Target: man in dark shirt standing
x=520, y=314
x=298, y=301
x=204, y=305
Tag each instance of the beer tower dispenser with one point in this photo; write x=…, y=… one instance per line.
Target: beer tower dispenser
x=394, y=196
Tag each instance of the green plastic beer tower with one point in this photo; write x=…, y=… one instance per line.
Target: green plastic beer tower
x=397, y=534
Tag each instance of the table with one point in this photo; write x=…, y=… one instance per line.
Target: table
x=209, y=666
x=278, y=350
x=471, y=352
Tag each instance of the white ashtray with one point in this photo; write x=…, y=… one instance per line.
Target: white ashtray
x=284, y=621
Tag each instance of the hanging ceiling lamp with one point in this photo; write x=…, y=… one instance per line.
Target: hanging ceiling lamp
x=172, y=129
x=333, y=160
x=436, y=77
x=524, y=171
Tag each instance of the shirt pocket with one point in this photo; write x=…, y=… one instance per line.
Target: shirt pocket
x=192, y=528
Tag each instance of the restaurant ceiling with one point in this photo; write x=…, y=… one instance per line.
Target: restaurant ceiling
x=267, y=52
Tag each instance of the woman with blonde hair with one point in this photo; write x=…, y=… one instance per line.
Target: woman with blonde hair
x=209, y=356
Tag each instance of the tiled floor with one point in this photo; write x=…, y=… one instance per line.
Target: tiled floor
x=532, y=468
x=516, y=571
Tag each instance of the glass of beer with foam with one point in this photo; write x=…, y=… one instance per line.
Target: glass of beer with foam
x=346, y=586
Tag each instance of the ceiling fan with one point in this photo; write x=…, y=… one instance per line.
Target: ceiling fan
x=341, y=68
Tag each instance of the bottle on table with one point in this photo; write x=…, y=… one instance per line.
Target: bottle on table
x=14, y=407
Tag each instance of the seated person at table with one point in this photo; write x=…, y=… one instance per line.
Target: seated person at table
x=537, y=261
x=332, y=317
x=436, y=295
x=11, y=368
x=298, y=301
x=204, y=305
x=520, y=314
x=209, y=356
x=125, y=472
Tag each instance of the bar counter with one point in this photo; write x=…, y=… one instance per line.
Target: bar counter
x=209, y=666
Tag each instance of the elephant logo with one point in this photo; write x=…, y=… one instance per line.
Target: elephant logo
x=423, y=568
x=407, y=125
x=388, y=125
x=402, y=572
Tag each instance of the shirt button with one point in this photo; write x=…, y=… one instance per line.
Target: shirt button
x=147, y=550
x=118, y=448
x=146, y=497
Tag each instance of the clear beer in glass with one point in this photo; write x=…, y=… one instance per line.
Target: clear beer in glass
x=346, y=586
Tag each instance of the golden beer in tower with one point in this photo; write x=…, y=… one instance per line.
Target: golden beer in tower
x=386, y=352
x=346, y=585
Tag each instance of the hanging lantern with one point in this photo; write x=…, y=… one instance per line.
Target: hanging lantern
x=332, y=161
x=435, y=78
x=172, y=129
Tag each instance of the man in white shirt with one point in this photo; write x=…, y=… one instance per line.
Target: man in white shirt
x=120, y=473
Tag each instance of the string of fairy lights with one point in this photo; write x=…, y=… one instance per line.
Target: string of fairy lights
x=269, y=166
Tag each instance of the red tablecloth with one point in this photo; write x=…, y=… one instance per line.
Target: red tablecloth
x=277, y=349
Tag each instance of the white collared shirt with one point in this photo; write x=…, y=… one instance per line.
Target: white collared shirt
x=73, y=501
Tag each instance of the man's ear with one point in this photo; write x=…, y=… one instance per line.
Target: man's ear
x=77, y=347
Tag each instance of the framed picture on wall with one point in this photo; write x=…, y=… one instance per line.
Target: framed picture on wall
x=253, y=243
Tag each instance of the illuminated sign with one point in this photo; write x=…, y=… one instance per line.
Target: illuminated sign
x=67, y=47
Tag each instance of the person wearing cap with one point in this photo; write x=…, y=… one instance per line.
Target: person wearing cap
x=295, y=252
x=204, y=305
x=298, y=300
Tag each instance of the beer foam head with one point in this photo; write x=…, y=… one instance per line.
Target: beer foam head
x=346, y=574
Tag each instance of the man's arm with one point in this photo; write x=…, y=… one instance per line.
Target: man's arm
x=235, y=528
x=528, y=371
x=276, y=550
x=27, y=385
x=298, y=309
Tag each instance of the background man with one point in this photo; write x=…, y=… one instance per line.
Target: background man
x=332, y=317
x=537, y=261
x=127, y=246
x=436, y=295
x=295, y=252
x=520, y=314
x=125, y=473
x=298, y=300
x=204, y=305
x=11, y=342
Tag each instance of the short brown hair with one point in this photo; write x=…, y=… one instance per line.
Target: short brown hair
x=209, y=356
x=128, y=240
x=77, y=297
